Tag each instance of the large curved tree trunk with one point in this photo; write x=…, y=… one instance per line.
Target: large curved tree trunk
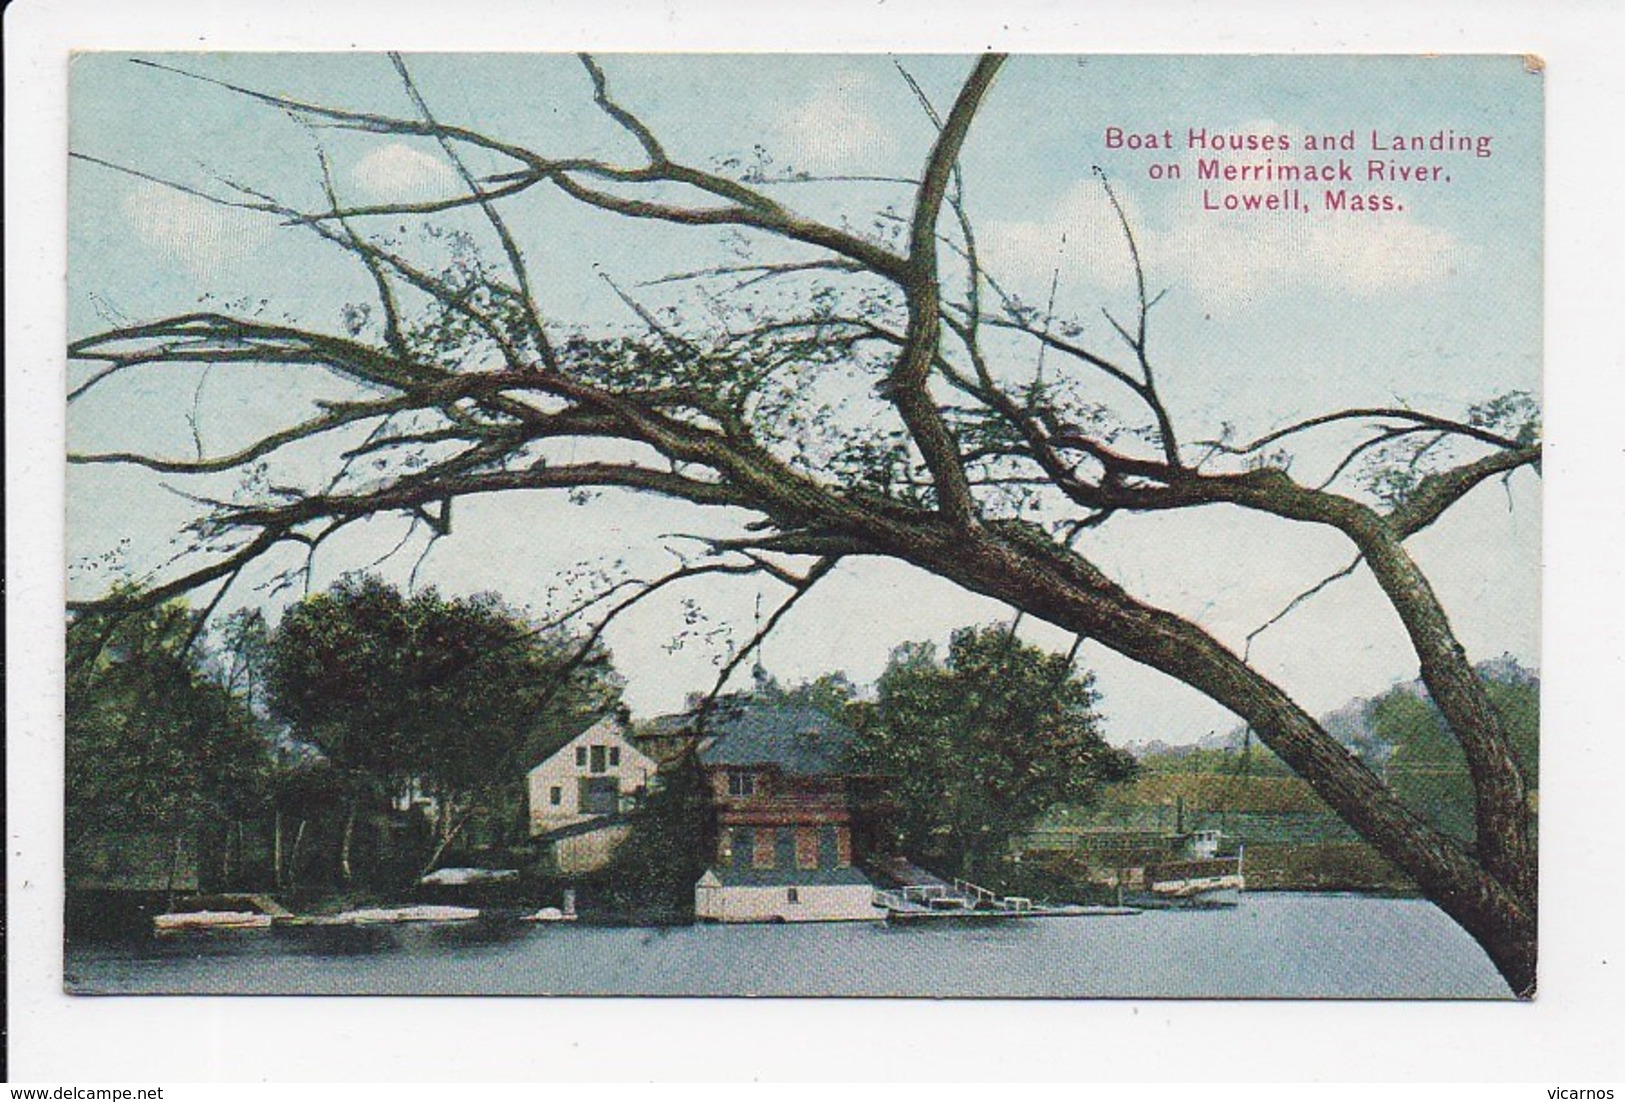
x=1071, y=594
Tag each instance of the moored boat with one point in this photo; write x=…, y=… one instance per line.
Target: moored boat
x=1205, y=879
x=176, y=921
x=367, y=916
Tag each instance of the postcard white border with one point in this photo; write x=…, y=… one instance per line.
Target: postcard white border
x=1567, y=1035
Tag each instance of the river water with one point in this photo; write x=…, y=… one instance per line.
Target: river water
x=1283, y=945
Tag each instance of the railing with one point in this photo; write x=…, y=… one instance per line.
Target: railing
x=917, y=896
x=963, y=893
x=975, y=892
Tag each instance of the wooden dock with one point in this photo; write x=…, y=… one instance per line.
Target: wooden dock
x=922, y=896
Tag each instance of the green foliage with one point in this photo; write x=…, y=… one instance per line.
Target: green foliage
x=977, y=747
x=454, y=691
x=457, y=695
x=1428, y=770
x=834, y=694
x=156, y=744
x=1395, y=469
x=654, y=870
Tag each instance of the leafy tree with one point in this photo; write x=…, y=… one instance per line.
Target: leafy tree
x=156, y=746
x=850, y=384
x=1427, y=767
x=977, y=747
x=421, y=690
x=833, y=693
x=654, y=870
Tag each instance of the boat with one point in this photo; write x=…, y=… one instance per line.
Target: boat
x=1202, y=879
x=176, y=921
x=368, y=916
x=549, y=914
x=467, y=877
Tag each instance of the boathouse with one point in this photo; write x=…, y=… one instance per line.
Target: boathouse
x=581, y=795
x=785, y=806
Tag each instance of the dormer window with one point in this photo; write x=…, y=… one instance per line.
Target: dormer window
x=741, y=783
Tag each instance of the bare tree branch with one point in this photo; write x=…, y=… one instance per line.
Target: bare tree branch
x=510, y=248
x=800, y=587
x=1426, y=420
x=1295, y=603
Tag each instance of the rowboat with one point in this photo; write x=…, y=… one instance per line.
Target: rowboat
x=210, y=920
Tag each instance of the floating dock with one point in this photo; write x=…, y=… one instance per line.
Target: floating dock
x=921, y=896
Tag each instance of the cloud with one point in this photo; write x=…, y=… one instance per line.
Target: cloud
x=1080, y=234
x=205, y=237
x=1224, y=258
x=834, y=129
x=1220, y=257
x=400, y=173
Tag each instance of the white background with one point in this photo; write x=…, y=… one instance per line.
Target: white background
x=1569, y=1035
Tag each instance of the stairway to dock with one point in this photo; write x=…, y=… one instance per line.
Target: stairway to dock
x=916, y=891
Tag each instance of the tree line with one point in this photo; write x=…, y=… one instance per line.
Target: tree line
x=289, y=747
x=287, y=743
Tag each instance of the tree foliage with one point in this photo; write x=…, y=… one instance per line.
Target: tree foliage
x=654, y=870
x=453, y=695
x=1427, y=767
x=157, y=745
x=977, y=746
x=855, y=385
x=1254, y=761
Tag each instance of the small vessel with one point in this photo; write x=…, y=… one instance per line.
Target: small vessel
x=549, y=914
x=567, y=913
x=1202, y=879
x=176, y=921
x=367, y=916
x=466, y=877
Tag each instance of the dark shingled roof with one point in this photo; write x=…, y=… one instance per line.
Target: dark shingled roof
x=789, y=878
x=586, y=826
x=799, y=740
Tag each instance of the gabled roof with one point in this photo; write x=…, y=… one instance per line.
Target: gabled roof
x=796, y=739
x=606, y=731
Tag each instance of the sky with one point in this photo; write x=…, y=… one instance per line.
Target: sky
x=1267, y=317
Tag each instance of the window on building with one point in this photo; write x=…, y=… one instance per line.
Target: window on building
x=581, y=755
x=762, y=858
x=792, y=895
x=600, y=758
x=843, y=847
x=806, y=847
x=741, y=784
x=555, y=795
x=614, y=756
x=599, y=796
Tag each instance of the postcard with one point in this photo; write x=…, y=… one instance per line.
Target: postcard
x=968, y=526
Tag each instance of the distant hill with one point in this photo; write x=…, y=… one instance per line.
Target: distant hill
x=1351, y=724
